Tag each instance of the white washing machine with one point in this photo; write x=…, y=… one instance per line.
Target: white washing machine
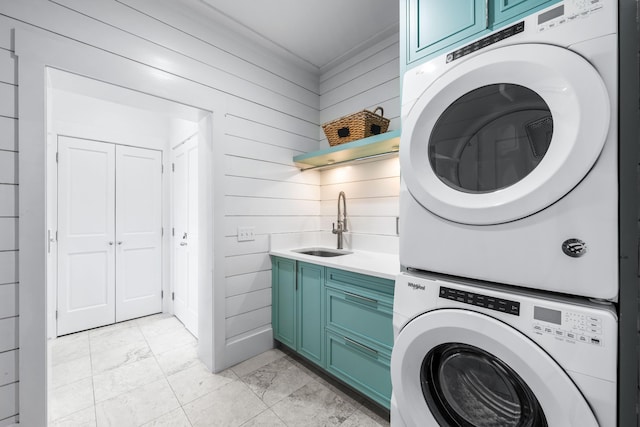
x=466, y=354
x=509, y=155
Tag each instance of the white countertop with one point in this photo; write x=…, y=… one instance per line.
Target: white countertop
x=386, y=266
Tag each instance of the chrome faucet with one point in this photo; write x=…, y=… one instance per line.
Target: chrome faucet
x=342, y=219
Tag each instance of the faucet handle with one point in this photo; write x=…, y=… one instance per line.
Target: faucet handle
x=333, y=228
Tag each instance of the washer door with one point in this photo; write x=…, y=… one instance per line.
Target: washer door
x=504, y=134
x=455, y=367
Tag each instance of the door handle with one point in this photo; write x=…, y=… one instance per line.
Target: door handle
x=120, y=242
x=110, y=243
x=183, y=243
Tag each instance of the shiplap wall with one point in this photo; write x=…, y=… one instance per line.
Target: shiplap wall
x=365, y=81
x=272, y=114
x=8, y=238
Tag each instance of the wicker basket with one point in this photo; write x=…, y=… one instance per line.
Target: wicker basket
x=355, y=126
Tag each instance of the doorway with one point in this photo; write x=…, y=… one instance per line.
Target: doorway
x=110, y=203
x=38, y=55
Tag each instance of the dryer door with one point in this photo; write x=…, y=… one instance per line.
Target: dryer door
x=504, y=134
x=455, y=367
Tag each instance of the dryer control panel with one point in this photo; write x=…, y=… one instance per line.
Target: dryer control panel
x=567, y=325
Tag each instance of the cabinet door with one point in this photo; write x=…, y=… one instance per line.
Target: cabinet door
x=283, y=281
x=310, y=312
x=504, y=10
x=433, y=25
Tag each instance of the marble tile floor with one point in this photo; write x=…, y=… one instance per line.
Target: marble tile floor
x=145, y=372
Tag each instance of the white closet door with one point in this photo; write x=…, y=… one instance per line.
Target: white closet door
x=138, y=232
x=86, y=261
x=185, y=240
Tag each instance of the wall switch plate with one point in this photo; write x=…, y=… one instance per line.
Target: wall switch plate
x=246, y=234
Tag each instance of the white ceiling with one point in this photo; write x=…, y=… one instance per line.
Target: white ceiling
x=322, y=33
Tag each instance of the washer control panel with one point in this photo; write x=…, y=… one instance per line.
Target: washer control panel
x=479, y=300
x=568, y=326
x=568, y=11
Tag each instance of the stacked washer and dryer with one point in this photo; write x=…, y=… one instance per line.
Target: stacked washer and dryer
x=504, y=313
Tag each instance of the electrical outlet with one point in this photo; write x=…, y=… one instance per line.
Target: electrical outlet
x=246, y=234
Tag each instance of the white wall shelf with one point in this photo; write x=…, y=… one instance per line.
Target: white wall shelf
x=374, y=147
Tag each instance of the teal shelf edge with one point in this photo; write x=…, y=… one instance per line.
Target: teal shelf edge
x=384, y=144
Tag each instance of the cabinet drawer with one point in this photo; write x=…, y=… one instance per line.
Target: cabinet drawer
x=377, y=284
x=360, y=366
x=362, y=316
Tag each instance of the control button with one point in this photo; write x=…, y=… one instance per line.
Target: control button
x=594, y=319
x=582, y=338
x=595, y=341
x=548, y=330
x=571, y=335
x=537, y=328
x=559, y=333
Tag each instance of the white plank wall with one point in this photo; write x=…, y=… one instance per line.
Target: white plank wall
x=367, y=80
x=266, y=191
x=272, y=114
x=8, y=238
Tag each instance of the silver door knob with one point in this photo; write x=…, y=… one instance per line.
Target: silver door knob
x=183, y=243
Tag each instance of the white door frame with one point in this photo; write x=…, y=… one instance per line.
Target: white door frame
x=36, y=52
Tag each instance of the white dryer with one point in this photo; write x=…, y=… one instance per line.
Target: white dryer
x=466, y=354
x=509, y=155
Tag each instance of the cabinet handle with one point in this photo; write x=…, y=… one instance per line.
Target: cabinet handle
x=486, y=14
x=361, y=346
x=360, y=297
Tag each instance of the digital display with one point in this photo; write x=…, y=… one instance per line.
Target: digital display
x=548, y=16
x=547, y=315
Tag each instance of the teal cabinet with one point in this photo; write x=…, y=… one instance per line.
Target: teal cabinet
x=433, y=25
x=429, y=28
x=506, y=10
x=341, y=321
x=310, y=312
x=359, y=332
x=364, y=368
x=284, y=300
x=297, y=315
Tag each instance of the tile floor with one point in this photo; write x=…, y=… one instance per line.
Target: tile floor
x=145, y=372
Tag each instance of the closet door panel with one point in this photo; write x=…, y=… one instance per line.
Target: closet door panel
x=86, y=268
x=138, y=232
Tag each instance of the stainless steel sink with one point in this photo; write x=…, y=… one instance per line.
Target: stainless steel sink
x=322, y=252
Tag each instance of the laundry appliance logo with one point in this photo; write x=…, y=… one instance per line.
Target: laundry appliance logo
x=416, y=286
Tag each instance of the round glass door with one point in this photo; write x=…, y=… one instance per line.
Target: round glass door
x=490, y=138
x=466, y=386
x=456, y=367
x=504, y=134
